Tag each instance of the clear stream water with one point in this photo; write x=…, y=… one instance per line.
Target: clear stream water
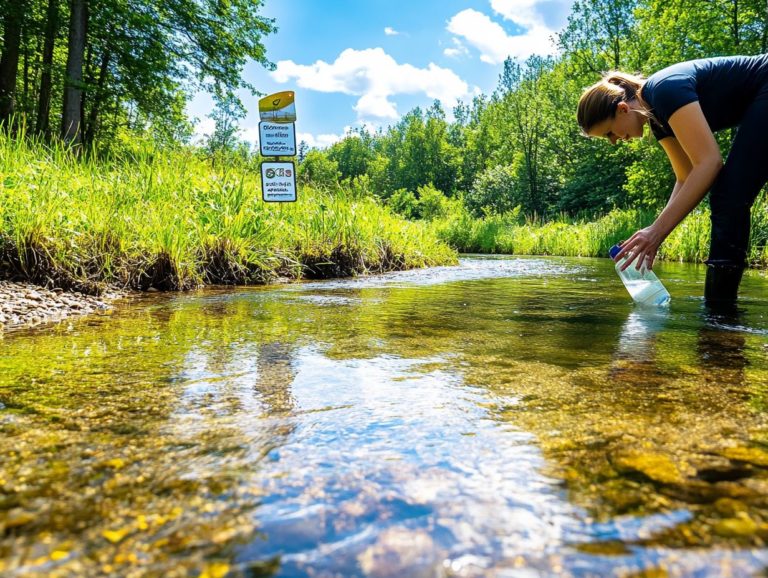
x=512, y=417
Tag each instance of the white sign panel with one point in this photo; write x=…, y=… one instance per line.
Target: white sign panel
x=278, y=182
x=277, y=139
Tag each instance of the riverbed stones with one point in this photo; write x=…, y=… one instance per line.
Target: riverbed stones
x=657, y=467
x=27, y=305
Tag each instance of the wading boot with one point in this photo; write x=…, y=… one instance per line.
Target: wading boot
x=721, y=286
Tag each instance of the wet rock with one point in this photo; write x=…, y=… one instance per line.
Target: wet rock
x=738, y=527
x=657, y=467
x=26, y=305
x=730, y=507
x=752, y=456
x=17, y=517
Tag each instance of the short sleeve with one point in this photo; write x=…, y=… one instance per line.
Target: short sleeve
x=672, y=93
x=660, y=130
x=666, y=95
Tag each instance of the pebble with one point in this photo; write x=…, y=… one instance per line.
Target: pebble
x=27, y=305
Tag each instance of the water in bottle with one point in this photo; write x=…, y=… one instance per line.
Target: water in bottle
x=643, y=285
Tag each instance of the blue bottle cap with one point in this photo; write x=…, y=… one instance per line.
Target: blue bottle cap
x=613, y=251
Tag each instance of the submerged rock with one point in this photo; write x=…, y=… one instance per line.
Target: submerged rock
x=657, y=467
x=738, y=527
x=752, y=456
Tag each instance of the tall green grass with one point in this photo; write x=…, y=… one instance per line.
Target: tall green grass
x=506, y=234
x=170, y=220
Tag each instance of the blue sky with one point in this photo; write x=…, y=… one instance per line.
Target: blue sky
x=368, y=62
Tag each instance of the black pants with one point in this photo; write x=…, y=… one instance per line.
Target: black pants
x=737, y=185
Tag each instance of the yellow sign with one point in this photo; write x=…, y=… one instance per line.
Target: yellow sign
x=278, y=107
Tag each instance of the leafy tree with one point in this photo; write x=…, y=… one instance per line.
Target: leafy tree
x=496, y=190
x=123, y=63
x=318, y=170
x=525, y=111
x=432, y=203
x=602, y=35
x=404, y=202
x=353, y=153
x=226, y=116
x=13, y=21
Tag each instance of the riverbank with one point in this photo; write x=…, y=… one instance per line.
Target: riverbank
x=28, y=305
x=176, y=219
x=511, y=234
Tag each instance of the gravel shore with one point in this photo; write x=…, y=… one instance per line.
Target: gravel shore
x=26, y=305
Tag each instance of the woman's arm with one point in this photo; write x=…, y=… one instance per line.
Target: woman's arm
x=695, y=142
x=680, y=162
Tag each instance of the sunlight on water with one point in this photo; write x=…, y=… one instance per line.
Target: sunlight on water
x=507, y=417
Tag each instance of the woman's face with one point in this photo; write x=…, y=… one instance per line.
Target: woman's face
x=626, y=124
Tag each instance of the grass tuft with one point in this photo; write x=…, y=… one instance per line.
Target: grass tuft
x=170, y=220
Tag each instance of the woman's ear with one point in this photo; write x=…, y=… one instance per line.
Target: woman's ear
x=622, y=107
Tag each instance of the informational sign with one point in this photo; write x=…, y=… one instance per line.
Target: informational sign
x=278, y=107
x=277, y=139
x=278, y=181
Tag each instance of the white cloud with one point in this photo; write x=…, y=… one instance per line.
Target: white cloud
x=458, y=49
x=389, y=31
x=527, y=13
x=493, y=42
x=375, y=77
x=522, y=12
x=318, y=141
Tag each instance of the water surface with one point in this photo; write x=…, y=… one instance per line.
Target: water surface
x=507, y=417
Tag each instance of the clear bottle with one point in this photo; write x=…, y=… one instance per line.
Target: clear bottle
x=643, y=285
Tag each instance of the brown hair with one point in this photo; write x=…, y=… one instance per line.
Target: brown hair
x=599, y=101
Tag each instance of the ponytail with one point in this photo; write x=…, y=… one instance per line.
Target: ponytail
x=599, y=101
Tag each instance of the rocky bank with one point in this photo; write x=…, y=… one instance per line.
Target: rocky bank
x=26, y=305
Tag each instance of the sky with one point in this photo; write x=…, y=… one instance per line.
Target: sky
x=354, y=63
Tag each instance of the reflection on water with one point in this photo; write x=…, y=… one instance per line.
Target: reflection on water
x=507, y=417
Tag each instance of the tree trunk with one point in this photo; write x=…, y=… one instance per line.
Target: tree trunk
x=44, y=101
x=71, y=118
x=98, y=98
x=9, y=61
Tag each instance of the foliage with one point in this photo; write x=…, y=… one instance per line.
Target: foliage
x=128, y=65
x=319, y=170
x=493, y=191
x=432, y=203
x=173, y=220
x=404, y=203
x=516, y=153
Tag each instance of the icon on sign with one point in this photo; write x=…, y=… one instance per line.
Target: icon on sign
x=278, y=107
x=270, y=173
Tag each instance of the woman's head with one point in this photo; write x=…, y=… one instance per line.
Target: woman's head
x=613, y=107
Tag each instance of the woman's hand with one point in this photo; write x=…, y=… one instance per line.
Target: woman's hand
x=640, y=248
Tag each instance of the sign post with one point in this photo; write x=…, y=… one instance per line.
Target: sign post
x=277, y=138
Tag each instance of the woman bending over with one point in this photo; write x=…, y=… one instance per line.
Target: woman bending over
x=684, y=105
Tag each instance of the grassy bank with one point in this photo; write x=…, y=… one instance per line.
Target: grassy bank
x=178, y=220
x=689, y=242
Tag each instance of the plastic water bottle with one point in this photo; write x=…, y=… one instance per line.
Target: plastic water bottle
x=643, y=285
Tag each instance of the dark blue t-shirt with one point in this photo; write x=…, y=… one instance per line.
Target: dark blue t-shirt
x=724, y=86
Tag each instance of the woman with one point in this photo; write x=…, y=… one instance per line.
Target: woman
x=684, y=104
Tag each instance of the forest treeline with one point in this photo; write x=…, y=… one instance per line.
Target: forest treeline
x=94, y=70
x=520, y=146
